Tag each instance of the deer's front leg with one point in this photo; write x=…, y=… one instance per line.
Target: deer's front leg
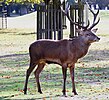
x=72, y=78
x=64, y=71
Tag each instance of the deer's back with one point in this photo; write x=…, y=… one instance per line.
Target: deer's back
x=49, y=49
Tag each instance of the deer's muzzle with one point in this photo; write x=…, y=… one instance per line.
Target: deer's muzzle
x=96, y=39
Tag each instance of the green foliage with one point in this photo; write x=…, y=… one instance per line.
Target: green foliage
x=1, y=0
x=23, y=1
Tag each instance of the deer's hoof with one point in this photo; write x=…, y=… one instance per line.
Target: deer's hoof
x=40, y=92
x=25, y=92
x=64, y=95
x=75, y=93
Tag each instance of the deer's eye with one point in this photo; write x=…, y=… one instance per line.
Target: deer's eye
x=87, y=34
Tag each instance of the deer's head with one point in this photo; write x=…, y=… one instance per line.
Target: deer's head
x=86, y=32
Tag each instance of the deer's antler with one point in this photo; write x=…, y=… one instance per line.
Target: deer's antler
x=66, y=12
x=95, y=16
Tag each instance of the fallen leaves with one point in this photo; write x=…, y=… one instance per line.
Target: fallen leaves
x=6, y=77
x=21, y=91
x=107, y=89
x=97, y=74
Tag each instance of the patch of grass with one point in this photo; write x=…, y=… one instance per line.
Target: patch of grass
x=104, y=14
x=15, y=44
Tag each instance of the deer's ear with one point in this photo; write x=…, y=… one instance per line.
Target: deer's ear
x=95, y=30
x=79, y=31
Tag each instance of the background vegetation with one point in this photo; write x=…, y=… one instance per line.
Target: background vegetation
x=21, y=1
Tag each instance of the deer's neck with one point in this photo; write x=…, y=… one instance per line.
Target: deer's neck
x=82, y=42
x=81, y=47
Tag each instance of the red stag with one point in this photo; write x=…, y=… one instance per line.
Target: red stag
x=64, y=52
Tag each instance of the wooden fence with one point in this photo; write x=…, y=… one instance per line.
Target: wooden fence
x=51, y=21
x=77, y=15
x=3, y=17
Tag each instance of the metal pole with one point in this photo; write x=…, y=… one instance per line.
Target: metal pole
x=2, y=16
x=54, y=21
x=72, y=25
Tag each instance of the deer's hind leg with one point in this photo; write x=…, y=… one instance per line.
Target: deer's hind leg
x=29, y=70
x=37, y=73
